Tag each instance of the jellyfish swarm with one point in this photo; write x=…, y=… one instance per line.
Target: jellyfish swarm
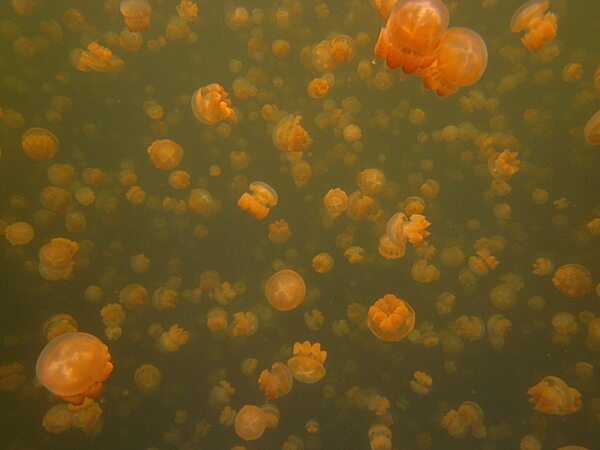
x=285, y=290
x=460, y=60
x=412, y=33
x=73, y=366
x=540, y=28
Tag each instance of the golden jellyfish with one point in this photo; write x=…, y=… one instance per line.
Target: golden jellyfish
x=73, y=366
x=39, y=144
x=172, y=339
x=133, y=295
x=250, y=422
x=12, y=377
x=277, y=382
x=147, y=378
x=279, y=232
x=380, y=436
x=390, y=318
x=289, y=135
x=58, y=419
x=468, y=417
x=591, y=131
x=388, y=249
x=211, y=105
x=421, y=383
x=165, y=154
x=308, y=362
x=202, y=202
x=539, y=25
x=371, y=181
x=573, y=280
x=461, y=60
x=243, y=324
x=136, y=14
x=412, y=33
x=59, y=324
x=19, y=233
x=318, y=87
x=259, y=201
x=335, y=202
x=285, y=290
x=322, y=262
x=56, y=259
x=553, y=396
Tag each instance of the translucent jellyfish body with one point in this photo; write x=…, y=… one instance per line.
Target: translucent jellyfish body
x=19, y=233
x=136, y=14
x=591, y=131
x=277, y=382
x=554, y=397
x=56, y=259
x=573, y=280
x=39, y=144
x=412, y=33
x=290, y=136
x=539, y=25
x=259, y=201
x=74, y=366
x=285, y=290
x=308, y=362
x=391, y=318
x=250, y=422
x=460, y=60
x=211, y=105
x=165, y=154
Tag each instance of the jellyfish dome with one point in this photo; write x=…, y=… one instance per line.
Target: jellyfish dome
x=73, y=366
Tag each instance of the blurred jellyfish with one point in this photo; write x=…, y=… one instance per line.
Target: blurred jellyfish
x=285, y=290
x=540, y=28
x=554, y=397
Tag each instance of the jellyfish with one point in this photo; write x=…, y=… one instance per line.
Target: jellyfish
x=59, y=324
x=12, y=377
x=539, y=28
x=211, y=105
x=73, y=366
x=147, y=378
x=250, y=422
x=279, y=232
x=217, y=320
x=308, y=362
x=573, y=280
x=391, y=318
x=136, y=14
x=39, y=144
x=277, y=382
x=421, y=383
x=554, y=397
x=285, y=290
x=19, y=233
x=323, y=262
x=165, y=154
x=371, y=181
x=56, y=259
x=468, y=417
x=259, y=201
x=335, y=202
x=380, y=437
x=173, y=339
x=58, y=419
x=133, y=296
x=460, y=60
x=289, y=135
x=411, y=34
x=591, y=131
x=243, y=324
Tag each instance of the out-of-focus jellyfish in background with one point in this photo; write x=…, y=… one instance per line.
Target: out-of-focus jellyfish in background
x=421, y=383
x=573, y=280
x=165, y=154
x=259, y=201
x=460, y=60
x=591, y=131
x=137, y=14
x=412, y=33
x=335, y=202
x=56, y=259
x=39, y=144
x=19, y=233
x=468, y=418
x=540, y=25
x=554, y=397
x=285, y=290
x=380, y=437
x=86, y=416
x=12, y=377
x=211, y=104
x=250, y=422
x=308, y=362
x=277, y=382
x=59, y=324
x=147, y=378
x=290, y=136
x=173, y=339
x=73, y=366
x=391, y=318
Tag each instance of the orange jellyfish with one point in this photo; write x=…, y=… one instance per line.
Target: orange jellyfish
x=289, y=135
x=540, y=28
x=335, y=202
x=165, y=154
x=307, y=362
x=412, y=33
x=39, y=144
x=554, y=397
x=460, y=60
x=573, y=280
x=211, y=105
x=285, y=290
x=259, y=202
x=591, y=130
x=56, y=259
x=391, y=318
x=19, y=233
x=73, y=366
x=277, y=382
x=250, y=422
x=136, y=14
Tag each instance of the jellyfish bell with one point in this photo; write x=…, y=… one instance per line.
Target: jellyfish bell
x=136, y=14
x=391, y=318
x=591, y=130
x=539, y=24
x=264, y=193
x=285, y=290
x=411, y=34
x=526, y=13
x=73, y=366
x=250, y=422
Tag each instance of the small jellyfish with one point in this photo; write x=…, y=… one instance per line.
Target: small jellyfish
x=540, y=28
x=147, y=378
x=573, y=280
x=307, y=362
x=412, y=33
x=380, y=437
x=136, y=14
x=173, y=339
x=39, y=144
x=59, y=324
x=460, y=60
x=74, y=366
x=285, y=290
x=12, y=377
x=554, y=397
x=56, y=259
x=165, y=154
x=250, y=422
x=335, y=202
x=211, y=105
x=277, y=382
x=259, y=201
x=19, y=233
x=391, y=318
x=591, y=131
x=289, y=135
